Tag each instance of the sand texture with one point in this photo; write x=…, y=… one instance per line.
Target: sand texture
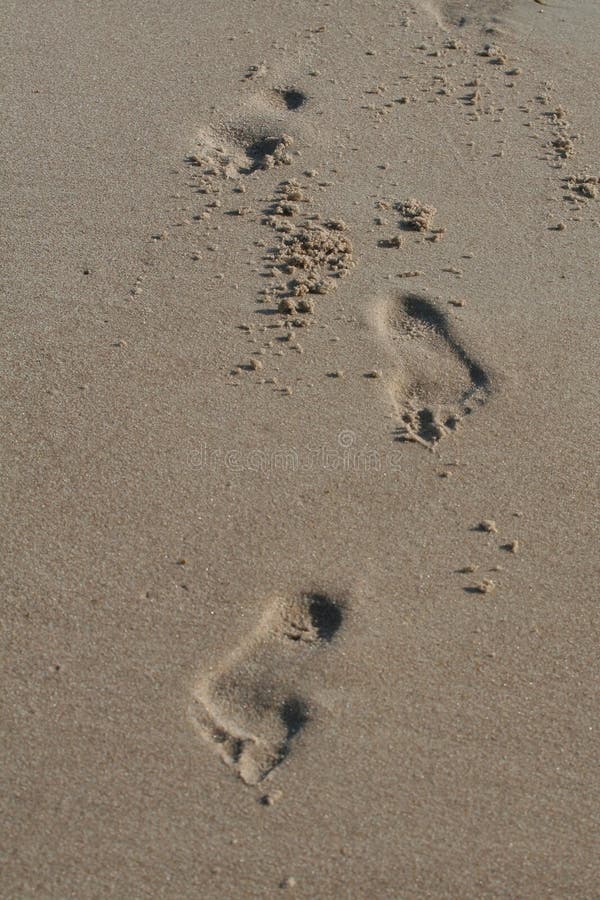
x=300, y=450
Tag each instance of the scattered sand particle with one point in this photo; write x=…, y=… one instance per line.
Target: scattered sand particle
x=257, y=71
x=488, y=525
x=271, y=798
x=564, y=146
x=287, y=306
x=494, y=53
x=394, y=242
x=487, y=586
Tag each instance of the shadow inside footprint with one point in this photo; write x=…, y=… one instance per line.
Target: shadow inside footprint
x=423, y=310
x=314, y=617
x=326, y=616
x=291, y=98
x=294, y=716
x=251, y=710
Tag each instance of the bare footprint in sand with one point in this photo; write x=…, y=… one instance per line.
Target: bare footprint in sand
x=438, y=382
x=254, y=135
x=241, y=149
x=253, y=707
x=458, y=13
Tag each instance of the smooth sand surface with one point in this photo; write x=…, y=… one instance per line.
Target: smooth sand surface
x=300, y=449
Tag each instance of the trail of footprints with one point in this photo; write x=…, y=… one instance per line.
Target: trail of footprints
x=439, y=383
x=433, y=381
x=253, y=708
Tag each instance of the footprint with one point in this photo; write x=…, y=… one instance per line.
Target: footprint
x=439, y=382
x=241, y=149
x=253, y=136
x=253, y=707
x=457, y=13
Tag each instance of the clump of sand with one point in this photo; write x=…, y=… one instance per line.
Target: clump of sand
x=584, y=185
x=313, y=255
x=417, y=215
x=310, y=255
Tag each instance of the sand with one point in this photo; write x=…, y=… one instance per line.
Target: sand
x=300, y=449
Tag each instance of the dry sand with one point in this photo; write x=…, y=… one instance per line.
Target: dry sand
x=299, y=449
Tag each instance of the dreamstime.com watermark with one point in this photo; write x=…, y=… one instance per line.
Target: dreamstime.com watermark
x=343, y=455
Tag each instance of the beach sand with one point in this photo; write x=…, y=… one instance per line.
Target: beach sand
x=300, y=449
